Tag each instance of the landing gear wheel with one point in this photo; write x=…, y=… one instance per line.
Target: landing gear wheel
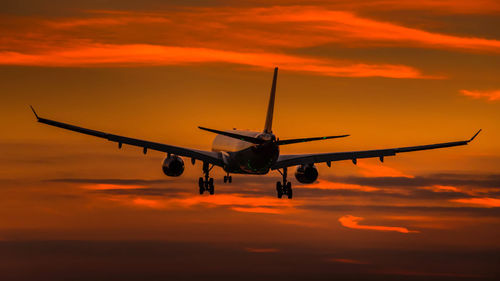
x=279, y=189
x=289, y=191
x=211, y=189
x=225, y=179
x=201, y=185
x=230, y=179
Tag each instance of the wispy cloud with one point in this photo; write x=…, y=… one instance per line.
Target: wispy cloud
x=492, y=95
x=348, y=28
x=371, y=170
x=234, y=202
x=331, y=185
x=348, y=261
x=350, y=221
x=432, y=6
x=103, y=55
x=255, y=37
x=262, y=250
x=104, y=186
x=449, y=179
x=487, y=202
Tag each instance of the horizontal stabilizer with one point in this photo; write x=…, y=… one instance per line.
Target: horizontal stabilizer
x=290, y=141
x=235, y=136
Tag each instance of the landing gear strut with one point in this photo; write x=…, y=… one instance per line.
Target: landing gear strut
x=206, y=183
x=228, y=178
x=284, y=188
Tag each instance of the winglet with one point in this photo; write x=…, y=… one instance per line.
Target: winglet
x=34, y=112
x=473, y=137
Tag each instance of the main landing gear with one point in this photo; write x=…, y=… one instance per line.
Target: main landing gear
x=206, y=183
x=284, y=188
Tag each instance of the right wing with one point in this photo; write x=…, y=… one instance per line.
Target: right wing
x=214, y=158
x=300, y=159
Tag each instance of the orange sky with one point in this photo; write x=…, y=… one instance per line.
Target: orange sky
x=389, y=73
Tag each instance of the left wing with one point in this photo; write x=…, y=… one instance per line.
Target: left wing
x=299, y=159
x=214, y=158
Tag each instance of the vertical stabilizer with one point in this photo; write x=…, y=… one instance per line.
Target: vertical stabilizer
x=270, y=108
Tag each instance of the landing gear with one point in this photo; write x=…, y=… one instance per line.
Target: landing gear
x=206, y=183
x=284, y=188
x=228, y=178
x=279, y=189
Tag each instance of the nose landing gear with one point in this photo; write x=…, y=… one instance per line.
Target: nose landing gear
x=284, y=188
x=228, y=178
x=206, y=183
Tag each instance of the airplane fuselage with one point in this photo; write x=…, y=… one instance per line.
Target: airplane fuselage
x=241, y=157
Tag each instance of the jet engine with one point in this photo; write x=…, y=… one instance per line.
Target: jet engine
x=306, y=173
x=173, y=166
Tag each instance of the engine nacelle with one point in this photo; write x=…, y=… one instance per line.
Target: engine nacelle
x=306, y=173
x=173, y=166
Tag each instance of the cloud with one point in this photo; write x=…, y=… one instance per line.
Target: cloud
x=117, y=19
x=309, y=25
x=348, y=261
x=349, y=28
x=492, y=212
x=108, y=55
x=262, y=250
x=186, y=200
x=150, y=203
x=255, y=37
x=487, y=202
x=352, y=222
x=455, y=180
x=103, y=186
x=331, y=185
x=492, y=95
x=432, y=6
x=371, y=170
x=326, y=188
x=262, y=210
x=112, y=181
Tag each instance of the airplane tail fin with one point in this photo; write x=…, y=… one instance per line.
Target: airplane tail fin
x=270, y=107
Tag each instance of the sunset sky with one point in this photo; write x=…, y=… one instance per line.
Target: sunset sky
x=389, y=73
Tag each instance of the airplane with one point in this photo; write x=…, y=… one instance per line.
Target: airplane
x=250, y=152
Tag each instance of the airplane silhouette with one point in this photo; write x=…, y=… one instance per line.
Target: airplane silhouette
x=249, y=152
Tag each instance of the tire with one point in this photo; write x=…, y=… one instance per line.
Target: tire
x=211, y=182
x=230, y=179
x=279, y=189
x=200, y=183
x=202, y=189
x=289, y=191
x=211, y=189
x=225, y=179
